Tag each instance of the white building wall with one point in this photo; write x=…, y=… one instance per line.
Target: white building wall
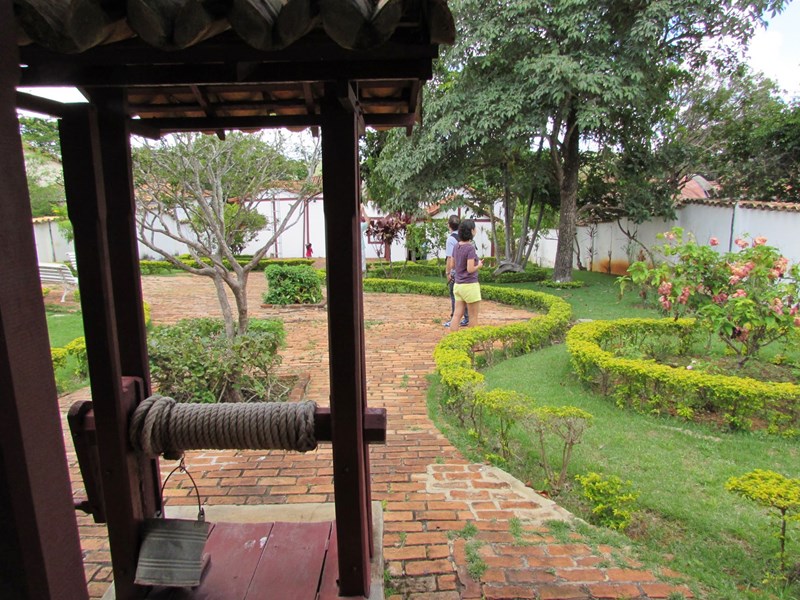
x=51, y=245
x=781, y=228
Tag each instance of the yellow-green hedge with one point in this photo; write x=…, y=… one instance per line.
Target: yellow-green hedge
x=648, y=386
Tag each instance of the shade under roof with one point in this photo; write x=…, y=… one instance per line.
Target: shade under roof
x=210, y=64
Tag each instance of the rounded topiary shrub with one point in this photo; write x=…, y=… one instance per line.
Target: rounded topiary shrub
x=292, y=285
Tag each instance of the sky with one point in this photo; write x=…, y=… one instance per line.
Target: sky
x=775, y=51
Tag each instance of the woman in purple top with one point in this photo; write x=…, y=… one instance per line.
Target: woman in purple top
x=467, y=290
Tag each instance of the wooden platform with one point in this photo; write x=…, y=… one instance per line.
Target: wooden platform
x=293, y=556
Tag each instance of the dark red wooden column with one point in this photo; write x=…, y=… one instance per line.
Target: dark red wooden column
x=123, y=253
x=345, y=338
x=40, y=554
x=124, y=487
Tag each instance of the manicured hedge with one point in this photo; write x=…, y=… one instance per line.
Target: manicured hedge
x=262, y=264
x=532, y=273
x=156, y=267
x=647, y=386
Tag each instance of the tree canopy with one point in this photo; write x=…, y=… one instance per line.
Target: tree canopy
x=557, y=75
x=204, y=193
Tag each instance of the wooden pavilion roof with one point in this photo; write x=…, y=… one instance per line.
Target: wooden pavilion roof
x=207, y=65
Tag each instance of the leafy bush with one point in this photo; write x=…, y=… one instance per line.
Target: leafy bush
x=566, y=423
x=506, y=407
x=147, y=309
x=649, y=387
x=194, y=361
x=744, y=297
x=59, y=357
x=77, y=348
x=612, y=499
x=773, y=491
x=292, y=285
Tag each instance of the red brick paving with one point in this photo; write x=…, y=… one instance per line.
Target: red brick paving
x=427, y=487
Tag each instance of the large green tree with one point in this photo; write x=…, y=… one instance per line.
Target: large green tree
x=42, y=150
x=566, y=74
x=203, y=192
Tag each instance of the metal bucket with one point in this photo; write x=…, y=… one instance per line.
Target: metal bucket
x=171, y=553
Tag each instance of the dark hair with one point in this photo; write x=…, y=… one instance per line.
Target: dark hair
x=465, y=230
x=453, y=222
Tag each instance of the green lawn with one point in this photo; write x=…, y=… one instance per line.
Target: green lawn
x=686, y=520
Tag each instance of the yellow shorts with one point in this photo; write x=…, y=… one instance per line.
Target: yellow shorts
x=467, y=292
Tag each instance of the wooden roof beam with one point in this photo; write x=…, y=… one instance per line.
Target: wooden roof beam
x=312, y=47
x=40, y=105
x=311, y=107
x=202, y=100
x=156, y=127
x=258, y=74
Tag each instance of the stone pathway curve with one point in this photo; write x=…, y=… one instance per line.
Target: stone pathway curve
x=447, y=521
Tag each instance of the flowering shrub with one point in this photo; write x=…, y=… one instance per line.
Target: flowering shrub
x=749, y=298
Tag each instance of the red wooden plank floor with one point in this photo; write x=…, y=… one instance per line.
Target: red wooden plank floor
x=264, y=561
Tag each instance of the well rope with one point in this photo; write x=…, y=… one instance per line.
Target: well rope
x=160, y=425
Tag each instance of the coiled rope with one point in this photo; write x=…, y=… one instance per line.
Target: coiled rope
x=160, y=425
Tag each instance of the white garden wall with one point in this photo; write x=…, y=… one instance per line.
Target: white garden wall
x=704, y=219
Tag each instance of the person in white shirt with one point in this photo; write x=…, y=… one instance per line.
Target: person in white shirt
x=450, y=268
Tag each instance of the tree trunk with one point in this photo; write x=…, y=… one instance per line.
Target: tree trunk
x=508, y=210
x=534, y=235
x=569, y=198
x=225, y=305
x=240, y=296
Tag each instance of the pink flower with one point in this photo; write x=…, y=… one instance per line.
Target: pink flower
x=665, y=288
x=797, y=321
x=734, y=279
x=665, y=303
x=741, y=243
x=670, y=236
x=684, y=297
x=720, y=298
x=740, y=293
x=777, y=306
x=713, y=242
x=793, y=310
x=759, y=241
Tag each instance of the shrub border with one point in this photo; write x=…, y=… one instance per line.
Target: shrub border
x=648, y=386
x=455, y=355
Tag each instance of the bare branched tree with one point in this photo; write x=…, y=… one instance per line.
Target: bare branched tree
x=204, y=192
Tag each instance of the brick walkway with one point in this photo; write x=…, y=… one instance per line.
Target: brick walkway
x=430, y=492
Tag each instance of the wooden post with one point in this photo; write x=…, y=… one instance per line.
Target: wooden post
x=345, y=340
x=40, y=554
x=124, y=494
x=123, y=253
